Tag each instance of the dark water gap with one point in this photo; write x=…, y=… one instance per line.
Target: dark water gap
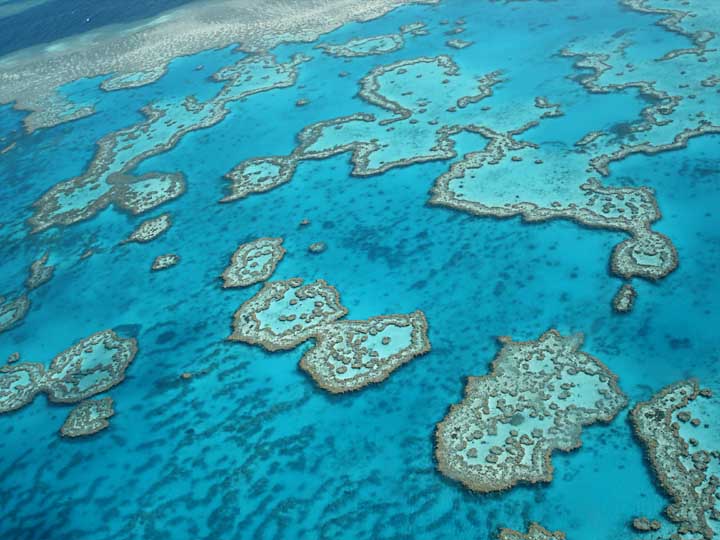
x=58, y=19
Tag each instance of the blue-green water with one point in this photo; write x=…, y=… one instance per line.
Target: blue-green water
x=250, y=447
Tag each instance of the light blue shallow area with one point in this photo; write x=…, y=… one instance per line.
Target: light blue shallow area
x=250, y=447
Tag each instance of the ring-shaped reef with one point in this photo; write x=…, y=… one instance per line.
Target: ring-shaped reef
x=347, y=355
x=13, y=311
x=91, y=366
x=286, y=313
x=253, y=262
x=422, y=104
x=373, y=45
x=679, y=428
x=536, y=400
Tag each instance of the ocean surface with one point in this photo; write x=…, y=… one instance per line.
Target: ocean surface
x=250, y=447
x=26, y=23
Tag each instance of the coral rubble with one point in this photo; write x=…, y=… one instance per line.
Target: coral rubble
x=286, y=313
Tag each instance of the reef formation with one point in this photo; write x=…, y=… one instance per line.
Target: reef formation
x=286, y=313
x=535, y=532
x=414, y=127
x=139, y=54
x=425, y=102
x=374, y=45
x=679, y=429
x=347, y=355
x=40, y=272
x=88, y=418
x=253, y=262
x=109, y=178
x=150, y=229
x=536, y=399
x=90, y=367
x=624, y=300
x=12, y=311
x=165, y=261
x=15, y=306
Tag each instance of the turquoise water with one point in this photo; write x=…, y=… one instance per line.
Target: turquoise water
x=250, y=447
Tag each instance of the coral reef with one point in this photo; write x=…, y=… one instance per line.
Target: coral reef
x=624, y=300
x=644, y=524
x=364, y=46
x=349, y=355
x=165, y=261
x=421, y=91
x=317, y=247
x=13, y=311
x=286, y=313
x=91, y=366
x=679, y=429
x=535, y=400
x=428, y=101
x=40, y=273
x=109, y=178
x=88, y=417
x=458, y=43
x=535, y=532
x=646, y=254
x=19, y=384
x=253, y=262
x=150, y=229
x=138, y=54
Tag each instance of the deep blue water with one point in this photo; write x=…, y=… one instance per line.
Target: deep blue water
x=58, y=19
x=250, y=447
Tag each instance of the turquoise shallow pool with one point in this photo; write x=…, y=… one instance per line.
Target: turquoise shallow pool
x=248, y=446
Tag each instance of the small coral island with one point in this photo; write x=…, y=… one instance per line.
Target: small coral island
x=679, y=428
x=253, y=262
x=88, y=418
x=90, y=367
x=536, y=399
